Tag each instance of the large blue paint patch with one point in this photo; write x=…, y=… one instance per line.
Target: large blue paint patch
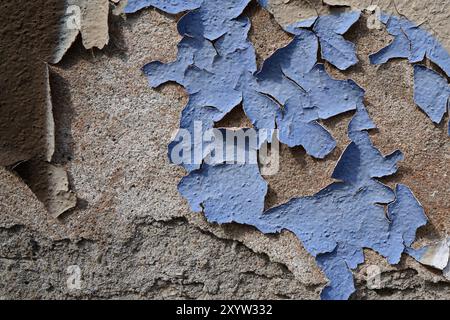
x=334, y=225
x=216, y=64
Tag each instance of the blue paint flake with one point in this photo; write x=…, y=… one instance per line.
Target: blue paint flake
x=216, y=64
x=401, y=45
x=306, y=93
x=335, y=268
x=406, y=215
x=295, y=27
x=411, y=42
x=259, y=108
x=196, y=120
x=226, y=193
x=211, y=20
x=431, y=92
x=361, y=120
x=263, y=3
x=330, y=30
x=172, y=6
x=435, y=255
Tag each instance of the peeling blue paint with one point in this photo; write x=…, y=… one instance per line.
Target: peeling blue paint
x=263, y=3
x=216, y=64
x=217, y=78
x=330, y=30
x=259, y=108
x=291, y=90
x=361, y=120
x=417, y=254
x=211, y=20
x=341, y=284
x=400, y=46
x=406, y=215
x=334, y=225
x=435, y=255
x=292, y=77
x=328, y=97
x=411, y=42
x=196, y=119
x=226, y=193
x=295, y=27
x=172, y=7
x=431, y=92
x=210, y=72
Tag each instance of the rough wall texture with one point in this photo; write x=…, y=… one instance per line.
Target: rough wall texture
x=132, y=235
x=28, y=35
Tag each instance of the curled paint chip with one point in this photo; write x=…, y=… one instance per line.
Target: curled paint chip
x=436, y=255
x=50, y=184
x=94, y=23
x=28, y=147
x=221, y=76
x=88, y=18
